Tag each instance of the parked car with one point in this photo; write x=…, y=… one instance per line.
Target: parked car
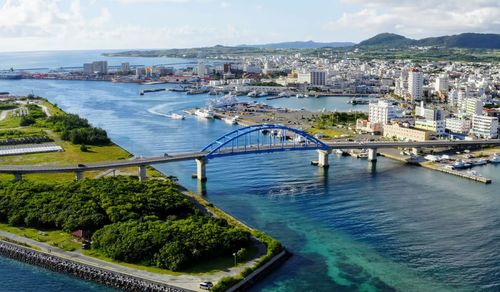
x=206, y=285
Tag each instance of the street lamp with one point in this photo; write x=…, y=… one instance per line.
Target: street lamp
x=234, y=254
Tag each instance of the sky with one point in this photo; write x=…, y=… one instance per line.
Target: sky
x=33, y=25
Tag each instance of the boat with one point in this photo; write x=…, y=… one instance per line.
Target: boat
x=203, y=113
x=459, y=164
x=363, y=154
x=180, y=89
x=225, y=101
x=10, y=76
x=480, y=161
x=231, y=120
x=306, y=95
x=356, y=101
x=299, y=95
x=495, y=158
x=283, y=94
x=262, y=94
x=175, y=116
x=252, y=93
x=151, y=90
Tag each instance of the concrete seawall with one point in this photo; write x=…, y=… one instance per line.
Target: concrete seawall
x=57, y=264
x=261, y=272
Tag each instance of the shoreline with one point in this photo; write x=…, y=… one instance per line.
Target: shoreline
x=81, y=264
x=80, y=270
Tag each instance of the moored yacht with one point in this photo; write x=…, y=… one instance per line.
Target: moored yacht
x=231, y=120
x=203, y=113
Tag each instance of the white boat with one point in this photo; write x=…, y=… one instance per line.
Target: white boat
x=306, y=95
x=262, y=94
x=202, y=113
x=480, y=161
x=459, y=164
x=252, y=93
x=299, y=95
x=283, y=94
x=231, y=120
x=225, y=101
x=495, y=158
x=175, y=116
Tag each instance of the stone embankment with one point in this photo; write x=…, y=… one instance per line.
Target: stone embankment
x=86, y=272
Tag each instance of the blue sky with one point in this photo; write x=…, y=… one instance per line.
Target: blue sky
x=125, y=24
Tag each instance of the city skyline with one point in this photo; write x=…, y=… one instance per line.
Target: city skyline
x=140, y=24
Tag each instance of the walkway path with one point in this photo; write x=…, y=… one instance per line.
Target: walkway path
x=190, y=282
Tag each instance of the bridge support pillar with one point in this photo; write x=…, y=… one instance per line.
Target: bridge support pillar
x=372, y=154
x=142, y=172
x=201, y=169
x=323, y=158
x=79, y=175
x=18, y=176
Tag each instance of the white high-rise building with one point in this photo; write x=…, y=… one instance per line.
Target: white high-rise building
x=318, y=77
x=441, y=83
x=100, y=67
x=473, y=106
x=453, y=97
x=88, y=69
x=484, y=126
x=125, y=67
x=381, y=112
x=201, y=69
x=416, y=84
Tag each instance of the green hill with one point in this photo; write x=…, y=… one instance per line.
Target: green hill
x=464, y=40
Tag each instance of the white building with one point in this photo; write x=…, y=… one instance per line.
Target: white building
x=381, y=112
x=441, y=84
x=201, y=69
x=473, y=106
x=436, y=126
x=430, y=114
x=484, y=126
x=125, y=67
x=416, y=84
x=318, y=77
x=100, y=67
x=304, y=77
x=88, y=69
x=456, y=125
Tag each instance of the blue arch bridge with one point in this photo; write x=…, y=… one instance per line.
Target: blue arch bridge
x=255, y=139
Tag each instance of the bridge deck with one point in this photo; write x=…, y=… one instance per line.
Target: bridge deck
x=254, y=149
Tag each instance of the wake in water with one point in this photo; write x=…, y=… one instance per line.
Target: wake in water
x=157, y=110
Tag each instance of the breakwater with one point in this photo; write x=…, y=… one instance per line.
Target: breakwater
x=57, y=264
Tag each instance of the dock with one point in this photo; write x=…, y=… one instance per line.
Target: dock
x=423, y=163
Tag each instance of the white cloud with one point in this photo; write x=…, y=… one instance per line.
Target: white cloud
x=419, y=18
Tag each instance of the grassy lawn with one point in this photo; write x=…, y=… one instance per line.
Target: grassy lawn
x=56, y=238
x=329, y=133
x=206, y=267
x=10, y=122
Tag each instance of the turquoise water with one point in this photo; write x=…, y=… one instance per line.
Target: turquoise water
x=17, y=276
x=353, y=227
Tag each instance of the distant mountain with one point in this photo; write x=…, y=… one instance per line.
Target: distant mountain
x=300, y=45
x=464, y=40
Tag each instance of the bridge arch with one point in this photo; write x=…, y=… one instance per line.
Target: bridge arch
x=266, y=138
